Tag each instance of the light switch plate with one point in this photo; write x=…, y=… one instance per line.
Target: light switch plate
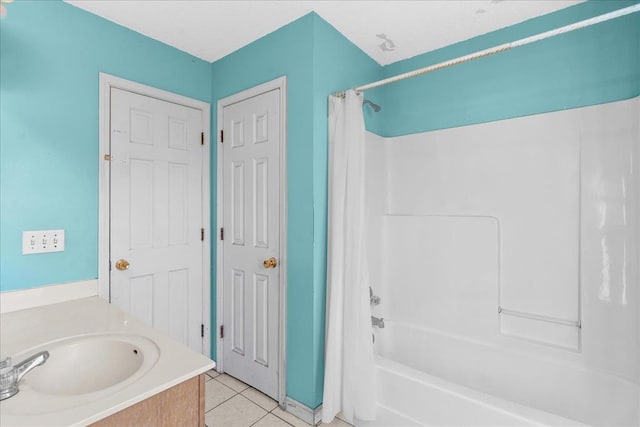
x=42, y=241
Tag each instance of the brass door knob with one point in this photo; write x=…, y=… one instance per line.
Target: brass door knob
x=122, y=264
x=270, y=263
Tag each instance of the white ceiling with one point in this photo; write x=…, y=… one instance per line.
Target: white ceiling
x=212, y=29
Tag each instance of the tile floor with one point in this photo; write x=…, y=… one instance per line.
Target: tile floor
x=232, y=403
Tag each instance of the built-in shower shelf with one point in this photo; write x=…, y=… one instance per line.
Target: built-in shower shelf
x=533, y=316
x=541, y=329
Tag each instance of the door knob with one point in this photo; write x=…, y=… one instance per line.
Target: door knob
x=270, y=263
x=122, y=264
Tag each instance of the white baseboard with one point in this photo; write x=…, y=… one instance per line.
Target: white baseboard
x=306, y=414
x=45, y=295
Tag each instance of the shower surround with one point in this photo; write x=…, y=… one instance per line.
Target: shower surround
x=506, y=256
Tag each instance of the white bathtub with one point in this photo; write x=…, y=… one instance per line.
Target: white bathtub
x=427, y=378
x=407, y=397
x=505, y=256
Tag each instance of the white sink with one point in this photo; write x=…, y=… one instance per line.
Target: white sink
x=89, y=364
x=81, y=369
x=92, y=371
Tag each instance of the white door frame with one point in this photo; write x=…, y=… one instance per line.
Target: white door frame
x=279, y=83
x=106, y=83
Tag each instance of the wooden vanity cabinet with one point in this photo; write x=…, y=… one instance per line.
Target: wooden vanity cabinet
x=181, y=405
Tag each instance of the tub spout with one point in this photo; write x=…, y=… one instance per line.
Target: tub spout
x=377, y=321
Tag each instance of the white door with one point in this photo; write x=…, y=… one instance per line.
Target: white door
x=251, y=216
x=156, y=242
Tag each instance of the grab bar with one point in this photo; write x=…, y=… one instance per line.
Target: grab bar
x=532, y=316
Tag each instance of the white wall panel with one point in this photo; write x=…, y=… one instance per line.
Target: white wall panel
x=444, y=272
x=525, y=172
x=376, y=194
x=565, y=190
x=610, y=267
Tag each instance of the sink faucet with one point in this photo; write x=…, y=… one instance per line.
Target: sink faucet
x=10, y=376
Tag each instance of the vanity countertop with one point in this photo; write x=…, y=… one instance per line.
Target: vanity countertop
x=28, y=329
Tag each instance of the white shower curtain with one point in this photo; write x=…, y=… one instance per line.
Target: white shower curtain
x=349, y=383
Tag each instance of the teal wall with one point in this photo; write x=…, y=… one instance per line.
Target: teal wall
x=50, y=57
x=590, y=66
x=317, y=60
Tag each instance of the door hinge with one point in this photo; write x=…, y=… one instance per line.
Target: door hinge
x=221, y=331
x=202, y=330
x=107, y=157
x=221, y=136
x=221, y=233
x=202, y=234
x=201, y=138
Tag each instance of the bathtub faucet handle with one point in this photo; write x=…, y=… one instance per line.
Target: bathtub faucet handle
x=373, y=299
x=377, y=321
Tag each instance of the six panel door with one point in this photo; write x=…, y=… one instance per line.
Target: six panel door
x=251, y=218
x=156, y=214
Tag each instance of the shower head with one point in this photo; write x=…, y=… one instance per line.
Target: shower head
x=375, y=106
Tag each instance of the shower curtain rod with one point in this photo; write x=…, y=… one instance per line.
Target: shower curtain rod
x=497, y=49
